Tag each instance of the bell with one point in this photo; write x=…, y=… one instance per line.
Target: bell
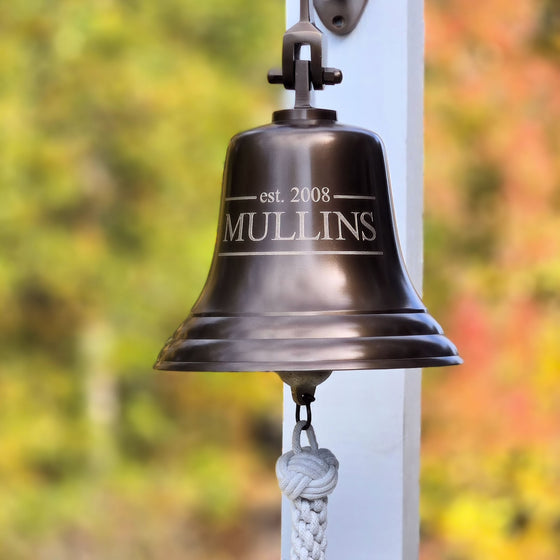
x=307, y=272
x=307, y=275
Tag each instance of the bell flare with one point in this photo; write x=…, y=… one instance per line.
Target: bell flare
x=307, y=343
x=307, y=272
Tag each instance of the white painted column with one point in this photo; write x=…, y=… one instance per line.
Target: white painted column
x=371, y=419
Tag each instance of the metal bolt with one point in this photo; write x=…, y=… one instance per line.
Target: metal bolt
x=275, y=76
x=332, y=76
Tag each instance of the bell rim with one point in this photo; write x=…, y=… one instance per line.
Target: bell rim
x=355, y=365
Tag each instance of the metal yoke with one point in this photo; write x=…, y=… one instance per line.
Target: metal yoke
x=301, y=75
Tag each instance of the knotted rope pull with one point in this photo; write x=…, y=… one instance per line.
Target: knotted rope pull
x=307, y=476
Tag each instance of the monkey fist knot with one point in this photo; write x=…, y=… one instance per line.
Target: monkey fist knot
x=309, y=472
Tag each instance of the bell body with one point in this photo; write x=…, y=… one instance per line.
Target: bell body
x=307, y=273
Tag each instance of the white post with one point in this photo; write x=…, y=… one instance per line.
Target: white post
x=371, y=420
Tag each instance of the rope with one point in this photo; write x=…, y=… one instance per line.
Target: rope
x=306, y=476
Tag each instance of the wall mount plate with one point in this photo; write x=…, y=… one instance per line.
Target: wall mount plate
x=340, y=16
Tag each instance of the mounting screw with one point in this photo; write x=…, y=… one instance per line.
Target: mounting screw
x=338, y=21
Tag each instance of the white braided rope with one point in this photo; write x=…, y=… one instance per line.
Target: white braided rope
x=307, y=476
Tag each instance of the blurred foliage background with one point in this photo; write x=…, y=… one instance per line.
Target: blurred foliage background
x=115, y=118
x=491, y=433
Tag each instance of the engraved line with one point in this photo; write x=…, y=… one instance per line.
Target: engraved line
x=354, y=196
x=274, y=253
x=240, y=198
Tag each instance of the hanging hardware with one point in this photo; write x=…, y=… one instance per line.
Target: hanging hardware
x=303, y=383
x=301, y=75
x=340, y=16
x=307, y=399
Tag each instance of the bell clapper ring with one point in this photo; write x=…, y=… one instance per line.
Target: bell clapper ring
x=307, y=399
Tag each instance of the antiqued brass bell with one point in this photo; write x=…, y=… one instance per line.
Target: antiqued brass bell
x=307, y=274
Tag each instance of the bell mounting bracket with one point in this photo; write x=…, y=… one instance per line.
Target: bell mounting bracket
x=340, y=16
x=300, y=74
